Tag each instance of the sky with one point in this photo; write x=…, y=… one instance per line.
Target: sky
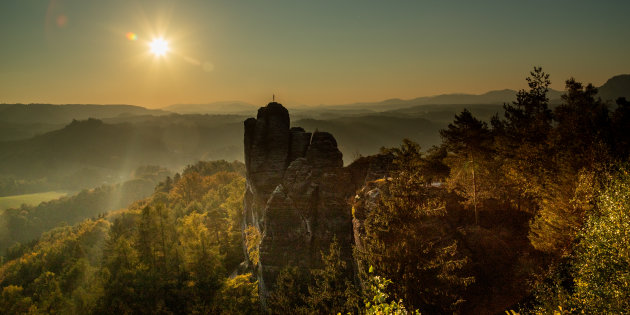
x=303, y=51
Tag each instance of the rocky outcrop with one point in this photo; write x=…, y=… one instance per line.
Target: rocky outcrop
x=367, y=200
x=298, y=193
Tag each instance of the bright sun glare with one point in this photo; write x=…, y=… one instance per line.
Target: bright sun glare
x=159, y=47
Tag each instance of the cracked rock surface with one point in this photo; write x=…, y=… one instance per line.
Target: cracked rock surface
x=298, y=193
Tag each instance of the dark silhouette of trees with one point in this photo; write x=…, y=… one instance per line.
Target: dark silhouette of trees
x=620, y=135
x=521, y=142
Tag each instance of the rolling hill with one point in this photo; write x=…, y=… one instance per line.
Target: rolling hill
x=615, y=87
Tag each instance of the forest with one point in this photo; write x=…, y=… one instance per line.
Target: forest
x=527, y=212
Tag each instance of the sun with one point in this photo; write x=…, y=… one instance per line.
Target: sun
x=159, y=47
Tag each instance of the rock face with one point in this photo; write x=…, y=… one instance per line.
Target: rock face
x=298, y=193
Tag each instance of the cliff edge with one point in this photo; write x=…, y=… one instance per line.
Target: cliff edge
x=298, y=193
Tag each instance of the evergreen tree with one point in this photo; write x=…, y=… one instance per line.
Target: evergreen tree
x=583, y=130
x=470, y=142
x=581, y=145
x=332, y=290
x=405, y=239
x=289, y=292
x=239, y=295
x=521, y=143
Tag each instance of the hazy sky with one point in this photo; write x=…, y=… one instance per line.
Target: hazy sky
x=305, y=51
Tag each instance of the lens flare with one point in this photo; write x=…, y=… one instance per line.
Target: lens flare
x=62, y=20
x=131, y=36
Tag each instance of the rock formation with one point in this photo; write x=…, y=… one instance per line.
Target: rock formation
x=298, y=192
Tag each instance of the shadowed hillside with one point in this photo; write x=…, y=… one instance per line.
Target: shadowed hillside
x=89, y=153
x=21, y=121
x=615, y=87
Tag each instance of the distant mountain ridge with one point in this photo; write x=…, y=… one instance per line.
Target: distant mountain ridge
x=55, y=114
x=616, y=87
x=491, y=97
x=226, y=107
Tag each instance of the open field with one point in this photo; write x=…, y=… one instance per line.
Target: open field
x=29, y=199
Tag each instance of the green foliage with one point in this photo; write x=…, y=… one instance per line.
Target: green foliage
x=252, y=242
x=331, y=290
x=57, y=273
x=207, y=168
x=579, y=143
x=602, y=268
x=171, y=253
x=470, y=142
x=595, y=277
x=289, y=292
x=12, y=300
x=28, y=222
x=524, y=159
x=326, y=290
x=176, y=252
x=562, y=212
x=239, y=295
x=582, y=134
x=406, y=242
x=377, y=300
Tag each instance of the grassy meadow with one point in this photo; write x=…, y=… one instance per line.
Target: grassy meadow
x=29, y=199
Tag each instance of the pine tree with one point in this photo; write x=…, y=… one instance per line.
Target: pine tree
x=332, y=290
x=406, y=240
x=470, y=142
x=522, y=143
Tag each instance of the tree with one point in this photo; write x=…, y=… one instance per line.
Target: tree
x=602, y=267
x=595, y=277
x=165, y=186
x=326, y=290
x=521, y=142
x=289, y=292
x=469, y=139
x=12, y=300
x=189, y=187
x=407, y=241
x=433, y=168
x=201, y=257
x=239, y=295
x=562, y=212
x=171, y=253
x=580, y=145
x=48, y=293
x=332, y=290
x=119, y=272
x=583, y=127
x=528, y=119
x=252, y=243
x=377, y=300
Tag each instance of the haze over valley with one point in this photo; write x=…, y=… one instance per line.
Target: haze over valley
x=73, y=147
